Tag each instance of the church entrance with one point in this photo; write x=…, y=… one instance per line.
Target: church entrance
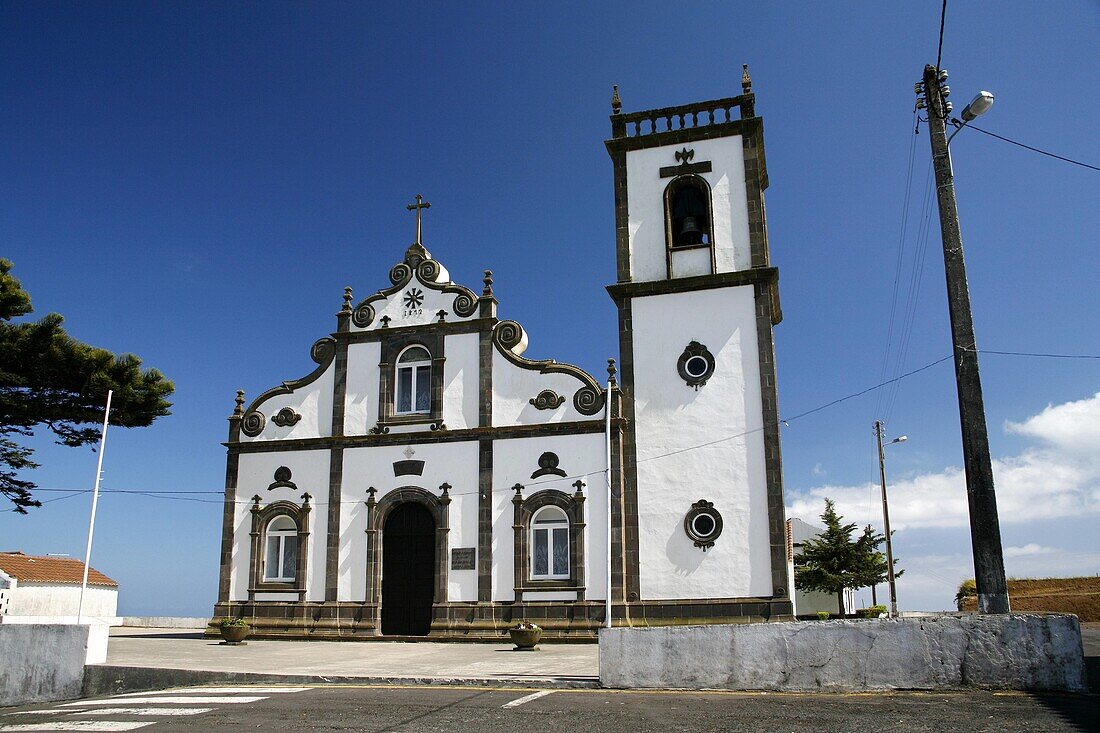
x=408, y=570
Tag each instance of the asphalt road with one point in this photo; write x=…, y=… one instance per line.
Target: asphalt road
x=422, y=709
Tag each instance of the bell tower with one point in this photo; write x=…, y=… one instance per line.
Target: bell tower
x=698, y=528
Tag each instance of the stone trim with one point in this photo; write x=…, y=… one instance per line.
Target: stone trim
x=618, y=431
x=622, y=291
x=229, y=511
x=444, y=328
x=332, y=532
x=485, y=521
x=392, y=347
x=417, y=262
x=261, y=517
x=510, y=339
x=773, y=457
x=378, y=511
x=627, y=522
x=542, y=430
x=685, y=136
x=523, y=510
x=323, y=352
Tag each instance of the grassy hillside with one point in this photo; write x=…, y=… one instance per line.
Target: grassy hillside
x=1080, y=596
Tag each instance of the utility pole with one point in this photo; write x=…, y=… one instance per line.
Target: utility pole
x=985, y=530
x=886, y=525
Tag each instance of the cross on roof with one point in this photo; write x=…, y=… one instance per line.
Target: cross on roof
x=420, y=205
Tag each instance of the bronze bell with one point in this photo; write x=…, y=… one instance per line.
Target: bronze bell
x=690, y=233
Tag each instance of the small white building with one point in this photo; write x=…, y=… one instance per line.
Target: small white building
x=35, y=589
x=808, y=603
x=429, y=477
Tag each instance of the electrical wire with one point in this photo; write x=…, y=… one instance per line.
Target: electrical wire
x=939, y=48
x=1033, y=149
x=1031, y=353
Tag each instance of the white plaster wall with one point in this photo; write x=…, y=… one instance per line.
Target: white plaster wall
x=361, y=388
x=645, y=198
x=44, y=599
x=514, y=387
x=688, y=262
x=672, y=416
x=313, y=402
x=395, y=307
x=460, y=381
x=453, y=463
x=255, y=471
x=513, y=462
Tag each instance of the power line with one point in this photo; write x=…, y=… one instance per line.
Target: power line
x=1031, y=353
x=1034, y=149
x=939, y=49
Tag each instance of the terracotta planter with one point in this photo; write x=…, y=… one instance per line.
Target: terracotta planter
x=525, y=639
x=234, y=634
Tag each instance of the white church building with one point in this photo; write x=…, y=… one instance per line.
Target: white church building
x=428, y=478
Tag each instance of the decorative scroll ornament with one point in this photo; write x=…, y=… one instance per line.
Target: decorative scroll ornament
x=465, y=305
x=508, y=334
x=548, y=466
x=695, y=365
x=253, y=423
x=322, y=351
x=286, y=417
x=588, y=400
x=547, y=399
x=363, y=315
x=282, y=479
x=703, y=524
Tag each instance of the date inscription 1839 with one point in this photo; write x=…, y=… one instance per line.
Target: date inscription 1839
x=413, y=299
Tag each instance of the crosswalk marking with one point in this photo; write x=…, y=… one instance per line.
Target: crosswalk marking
x=91, y=725
x=526, y=698
x=141, y=711
x=215, y=691
x=199, y=699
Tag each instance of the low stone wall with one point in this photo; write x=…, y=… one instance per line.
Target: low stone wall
x=1024, y=652
x=165, y=622
x=41, y=662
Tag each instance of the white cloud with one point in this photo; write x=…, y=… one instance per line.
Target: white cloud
x=1056, y=478
x=1029, y=549
x=818, y=470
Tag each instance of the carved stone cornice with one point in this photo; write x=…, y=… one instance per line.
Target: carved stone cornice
x=510, y=340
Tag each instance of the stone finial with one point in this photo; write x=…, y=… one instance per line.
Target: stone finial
x=256, y=503
x=385, y=320
x=746, y=80
x=579, y=486
x=371, y=491
x=616, y=103
x=518, y=488
x=488, y=280
x=239, y=409
x=442, y=314
x=444, y=488
x=305, y=499
x=347, y=300
x=611, y=370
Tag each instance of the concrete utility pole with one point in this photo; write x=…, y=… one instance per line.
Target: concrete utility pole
x=886, y=525
x=985, y=529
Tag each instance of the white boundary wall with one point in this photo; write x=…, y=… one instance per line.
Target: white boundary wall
x=1023, y=652
x=41, y=662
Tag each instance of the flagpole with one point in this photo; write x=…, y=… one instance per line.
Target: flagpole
x=95, y=501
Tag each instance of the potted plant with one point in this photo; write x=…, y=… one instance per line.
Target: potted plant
x=823, y=615
x=234, y=630
x=525, y=635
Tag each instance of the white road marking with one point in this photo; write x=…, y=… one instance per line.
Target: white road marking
x=167, y=698
x=94, y=725
x=526, y=698
x=215, y=691
x=142, y=711
x=40, y=712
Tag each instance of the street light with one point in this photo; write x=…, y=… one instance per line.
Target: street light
x=886, y=516
x=985, y=527
x=978, y=106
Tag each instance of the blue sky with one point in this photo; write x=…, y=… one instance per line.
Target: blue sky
x=196, y=183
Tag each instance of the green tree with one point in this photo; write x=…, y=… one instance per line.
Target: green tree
x=49, y=379
x=833, y=561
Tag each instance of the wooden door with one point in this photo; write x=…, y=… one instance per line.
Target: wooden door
x=408, y=570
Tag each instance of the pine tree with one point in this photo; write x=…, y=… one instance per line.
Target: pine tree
x=49, y=379
x=833, y=561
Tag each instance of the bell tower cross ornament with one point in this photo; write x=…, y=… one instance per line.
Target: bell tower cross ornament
x=419, y=206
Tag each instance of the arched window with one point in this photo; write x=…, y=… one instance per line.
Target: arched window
x=281, y=550
x=414, y=382
x=550, y=543
x=687, y=212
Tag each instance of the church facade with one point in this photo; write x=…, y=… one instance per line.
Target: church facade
x=429, y=478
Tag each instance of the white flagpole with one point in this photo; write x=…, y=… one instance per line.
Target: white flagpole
x=607, y=431
x=95, y=501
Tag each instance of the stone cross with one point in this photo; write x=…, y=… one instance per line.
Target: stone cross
x=418, y=207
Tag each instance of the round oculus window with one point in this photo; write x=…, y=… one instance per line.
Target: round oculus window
x=695, y=365
x=703, y=524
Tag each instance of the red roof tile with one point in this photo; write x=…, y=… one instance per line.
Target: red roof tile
x=35, y=569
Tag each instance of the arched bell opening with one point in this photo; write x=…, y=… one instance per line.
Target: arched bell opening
x=688, y=215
